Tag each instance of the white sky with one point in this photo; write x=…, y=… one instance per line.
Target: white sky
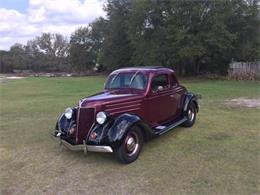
x=55, y=16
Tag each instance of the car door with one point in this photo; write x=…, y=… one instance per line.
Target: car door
x=160, y=101
x=176, y=97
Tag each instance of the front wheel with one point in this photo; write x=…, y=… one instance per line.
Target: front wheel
x=191, y=115
x=131, y=146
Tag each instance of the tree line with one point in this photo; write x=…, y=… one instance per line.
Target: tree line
x=192, y=36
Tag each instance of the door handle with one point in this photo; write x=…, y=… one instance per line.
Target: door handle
x=172, y=96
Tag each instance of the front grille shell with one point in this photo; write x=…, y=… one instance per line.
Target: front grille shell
x=85, y=121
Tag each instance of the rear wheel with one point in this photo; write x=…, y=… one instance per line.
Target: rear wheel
x=131, y=146
x=191, y=115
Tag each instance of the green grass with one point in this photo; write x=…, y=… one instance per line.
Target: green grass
x=219, y=155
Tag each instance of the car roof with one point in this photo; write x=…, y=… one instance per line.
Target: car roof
x=142, y=69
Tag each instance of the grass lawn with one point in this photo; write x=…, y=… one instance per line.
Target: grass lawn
x=219, y=155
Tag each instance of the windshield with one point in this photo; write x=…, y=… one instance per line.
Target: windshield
x=134, y=80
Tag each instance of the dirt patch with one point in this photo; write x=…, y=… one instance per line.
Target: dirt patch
x=3, y=79
x=14, y=77
x=244, y=102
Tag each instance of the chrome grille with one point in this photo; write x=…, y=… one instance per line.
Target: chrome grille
x=85, y=121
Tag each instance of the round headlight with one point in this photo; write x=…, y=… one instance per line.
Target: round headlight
x=68, y=113
x=101, y=117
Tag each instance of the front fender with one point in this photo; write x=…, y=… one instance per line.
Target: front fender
x=120, y=126
x=63, y=124
x=114, y=131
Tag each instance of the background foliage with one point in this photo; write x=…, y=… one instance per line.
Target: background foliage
x=193, y=37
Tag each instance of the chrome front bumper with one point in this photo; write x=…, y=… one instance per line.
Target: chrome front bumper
x=84, y=147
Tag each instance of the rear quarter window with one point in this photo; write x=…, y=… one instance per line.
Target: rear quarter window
x=173, y=80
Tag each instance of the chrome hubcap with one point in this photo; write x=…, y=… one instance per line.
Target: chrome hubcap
x=131, y=143
x=191, y=114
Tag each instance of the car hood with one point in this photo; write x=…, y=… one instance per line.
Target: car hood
x=111, y=96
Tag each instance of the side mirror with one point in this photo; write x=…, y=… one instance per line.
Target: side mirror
x=157, y=89
x=160, y=88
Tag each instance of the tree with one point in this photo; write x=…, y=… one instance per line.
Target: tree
x=54, y=45
x=98, y=33
x=202, y=37
x=82, y=53
x=18, y=56
x=193, y=37
x=148, y=33
x=5, y=65
x=48, y=52
x=244, y=21
x=116, y=47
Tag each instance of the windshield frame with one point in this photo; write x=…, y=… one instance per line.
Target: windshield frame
x=134, y=73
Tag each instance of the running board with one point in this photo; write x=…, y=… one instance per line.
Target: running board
x=163, y=129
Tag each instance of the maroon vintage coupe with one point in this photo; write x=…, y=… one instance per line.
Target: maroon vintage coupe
x=137, y=104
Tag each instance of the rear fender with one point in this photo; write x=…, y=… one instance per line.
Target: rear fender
x=190, y=97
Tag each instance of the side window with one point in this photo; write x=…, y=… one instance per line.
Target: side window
x=160, y=82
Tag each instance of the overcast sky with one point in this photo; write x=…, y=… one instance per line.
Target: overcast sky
x=22, y=20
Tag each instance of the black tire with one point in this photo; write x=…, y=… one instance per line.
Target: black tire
x=131, y=146
x=191, y=115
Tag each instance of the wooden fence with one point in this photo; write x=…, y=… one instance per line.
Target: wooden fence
x=244, y=70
